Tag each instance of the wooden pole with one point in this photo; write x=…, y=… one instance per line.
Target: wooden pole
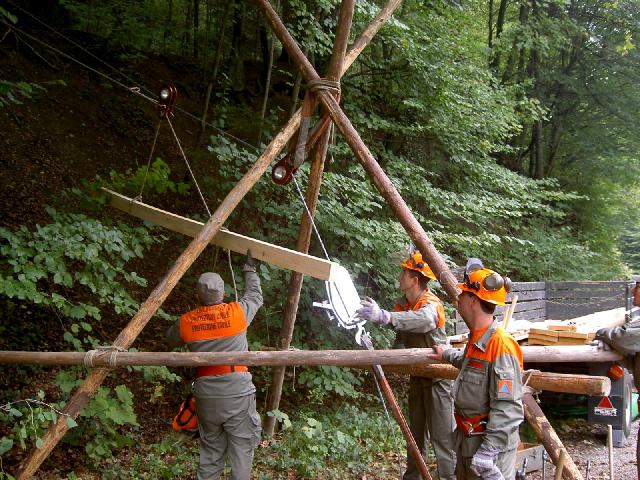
x=610, y=449
x=346, y=358
x=416, y=362
x=510, y=309
x=379, y=178
x=412, y=447
x=548, y=437
x=560, y=466
x=304, y=234
x=567, y=354
x=549, y=381
x=156, y=298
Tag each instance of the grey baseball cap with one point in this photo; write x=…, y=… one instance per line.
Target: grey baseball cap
x=210, y=288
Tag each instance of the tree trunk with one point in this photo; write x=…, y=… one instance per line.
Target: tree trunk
x=167, y=27
x=196, y=27
x=237, y=62
x=186, y=34
x=537, y=132
x=490, y=25
x=267, y=88
x=502, y=10
x=219, y=50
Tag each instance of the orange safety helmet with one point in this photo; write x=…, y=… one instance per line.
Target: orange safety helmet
x=416, y=263
x=486, y=284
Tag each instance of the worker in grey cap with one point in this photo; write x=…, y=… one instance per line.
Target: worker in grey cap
x=626, y=340
x=228, y=423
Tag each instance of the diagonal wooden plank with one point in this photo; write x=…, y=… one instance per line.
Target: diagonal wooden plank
x=263, y=251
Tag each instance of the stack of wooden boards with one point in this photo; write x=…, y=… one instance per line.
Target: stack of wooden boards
x=575, y=331
x=557, y=333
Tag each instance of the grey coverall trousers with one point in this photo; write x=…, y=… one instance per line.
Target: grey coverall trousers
x=228, y=426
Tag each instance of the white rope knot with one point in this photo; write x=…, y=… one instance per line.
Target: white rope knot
x=113, y=358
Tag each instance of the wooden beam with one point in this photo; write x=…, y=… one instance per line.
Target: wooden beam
x=282, y=257
x=548, y=437
x=549, y=381
x=412, y=361
x=344, y=358
x=311, y=198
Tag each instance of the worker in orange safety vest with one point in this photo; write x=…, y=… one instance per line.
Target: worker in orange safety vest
x=228, y=423
x=626, y=340
x=488, y=390
x=419, y=321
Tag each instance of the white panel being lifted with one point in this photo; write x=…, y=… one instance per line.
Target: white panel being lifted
x=263, y=251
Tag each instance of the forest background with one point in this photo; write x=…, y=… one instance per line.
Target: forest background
x=509, y=127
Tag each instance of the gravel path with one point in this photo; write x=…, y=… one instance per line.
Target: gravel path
x=586, y=442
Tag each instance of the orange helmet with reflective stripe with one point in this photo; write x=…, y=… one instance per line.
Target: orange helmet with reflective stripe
x=484, y=283
x=415, y=262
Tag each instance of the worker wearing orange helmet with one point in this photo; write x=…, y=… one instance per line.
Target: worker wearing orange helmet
x=626, y=340
x=488, y=390
x=419, y=321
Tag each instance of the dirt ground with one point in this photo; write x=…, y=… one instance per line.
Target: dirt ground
x=588, y=443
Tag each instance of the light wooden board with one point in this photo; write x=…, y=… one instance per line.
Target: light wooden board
x=543, y=333
x=535, y=340
x=266, y=252
x=561, y=327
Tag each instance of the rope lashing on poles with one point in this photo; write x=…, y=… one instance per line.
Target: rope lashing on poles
x=332, y=86
x=314, y=86
x=113, y=357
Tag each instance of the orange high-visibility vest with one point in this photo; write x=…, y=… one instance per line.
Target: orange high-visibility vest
x=426, y=298
x=212, y=322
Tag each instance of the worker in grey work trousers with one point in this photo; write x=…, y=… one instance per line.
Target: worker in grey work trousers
x=626, y=340
x=225, y=395
x=419, y=321
x=488, y=389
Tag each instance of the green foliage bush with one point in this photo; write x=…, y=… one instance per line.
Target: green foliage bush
x=76, y=267
x=61, y=264
x=342, y=442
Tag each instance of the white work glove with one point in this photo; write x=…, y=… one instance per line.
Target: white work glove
x=483, y=464
x=371, y=312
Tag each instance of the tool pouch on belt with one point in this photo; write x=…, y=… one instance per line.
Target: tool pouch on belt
x=471, y=425
x=186, y=421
